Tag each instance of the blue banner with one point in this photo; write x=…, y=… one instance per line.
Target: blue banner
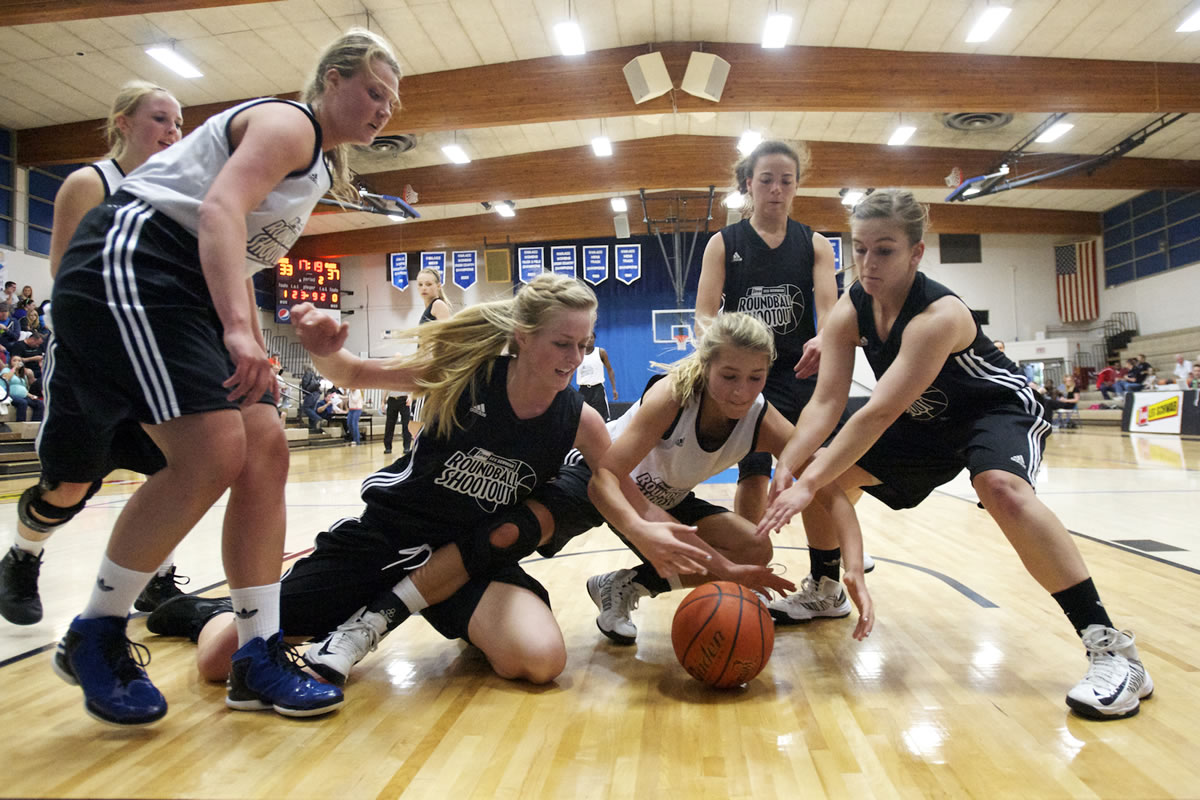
x=629, y=262
x=466, y=268
x=531, y=262
x=562, y=260
x=595, y=263
x=435, y=260
x=836, y=243
x=398, y=267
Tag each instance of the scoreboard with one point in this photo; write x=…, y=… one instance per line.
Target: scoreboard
x=305, y=281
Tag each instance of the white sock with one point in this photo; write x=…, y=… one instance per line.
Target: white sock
x=29, y=545
x=408, y=593
x=256, y=611
x=115, y=590
x=165, y=566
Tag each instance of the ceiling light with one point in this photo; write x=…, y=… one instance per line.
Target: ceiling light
x=456, y=154
x=173, y=61
x=602, y=146
x=505, y=208
x=901, y=134
x=776, y=30
x=991, y=19
x=619, y=205
x=570, y=38
x=734, y=200
x=1190, y=24
x=852, y=196
x=1054, y=132
x=748, y=142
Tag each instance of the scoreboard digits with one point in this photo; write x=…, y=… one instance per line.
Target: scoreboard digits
x=305, y=281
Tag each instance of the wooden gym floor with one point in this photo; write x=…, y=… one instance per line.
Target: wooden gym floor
x=958, y=693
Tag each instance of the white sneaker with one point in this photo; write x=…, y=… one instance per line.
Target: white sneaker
x=1116, y=681
x=824, y=599
x=616, y=595
x=868, y=563
x=334, y=656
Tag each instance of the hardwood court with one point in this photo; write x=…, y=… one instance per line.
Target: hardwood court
x=958, y=693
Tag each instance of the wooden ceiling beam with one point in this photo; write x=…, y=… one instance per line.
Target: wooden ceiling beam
x=792, y=79
x=668, y=162
x=27, y=12
x=594, y=218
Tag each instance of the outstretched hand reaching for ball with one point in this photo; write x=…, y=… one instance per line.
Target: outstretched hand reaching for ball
x=320, y=333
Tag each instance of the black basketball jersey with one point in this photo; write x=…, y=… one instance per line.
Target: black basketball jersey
x=447, y=486
x=774, y=285
x=427, y=314
x=971, y=382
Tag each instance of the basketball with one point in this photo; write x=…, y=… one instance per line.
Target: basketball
x=723, y=634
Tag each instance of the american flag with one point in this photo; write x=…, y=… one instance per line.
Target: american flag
x=1075, y=275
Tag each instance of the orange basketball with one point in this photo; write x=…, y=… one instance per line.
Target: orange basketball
x=723, y=634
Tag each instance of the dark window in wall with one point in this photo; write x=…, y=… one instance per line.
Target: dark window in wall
x=44, y=183
x=1154, y=232
x=7, y=182
x=960, y=248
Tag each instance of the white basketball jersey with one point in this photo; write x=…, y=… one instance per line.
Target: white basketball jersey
x=110, y=173
x=591, y=369
x=177, y=179
x=678, y=463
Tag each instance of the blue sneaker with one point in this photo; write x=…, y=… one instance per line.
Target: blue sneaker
x=266, y=674
x=96, y=656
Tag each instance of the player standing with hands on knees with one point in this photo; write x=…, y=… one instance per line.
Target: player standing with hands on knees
x=946, y=399
x=156, y=287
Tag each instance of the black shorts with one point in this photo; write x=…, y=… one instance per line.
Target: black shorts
x=789, y=396
x=353, y=563
x=595, y=396
x=136, y=337
x=911, y=459
x=567, y=500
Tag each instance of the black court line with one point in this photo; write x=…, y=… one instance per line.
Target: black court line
x=1096, y=539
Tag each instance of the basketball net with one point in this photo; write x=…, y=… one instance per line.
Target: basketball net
x=954, y=179
x=681, y=341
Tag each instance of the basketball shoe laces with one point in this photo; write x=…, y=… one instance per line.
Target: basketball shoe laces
x=125, y=658
x=622, y=598
x=1108, y=669
x=354, y=639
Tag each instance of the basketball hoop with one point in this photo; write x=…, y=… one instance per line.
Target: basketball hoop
x=954, y=179
x=681, y=341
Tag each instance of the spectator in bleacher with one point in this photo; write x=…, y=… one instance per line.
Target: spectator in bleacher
x=330, y=405
x=27, y=293
x=309, y=401
x=1183, y=369
x=33, y=323
x=1105, y=381
x=21, y=308
x=31, y=350
x=10, y=329
x=285, y=394
x=354, y=409
x=1193, y=381
x=10, y=293
x=19, y=378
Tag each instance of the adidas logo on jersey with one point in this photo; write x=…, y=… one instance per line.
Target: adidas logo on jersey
x=480, y=410
x=1019, y=459
x=736, y=257
x=313, y=177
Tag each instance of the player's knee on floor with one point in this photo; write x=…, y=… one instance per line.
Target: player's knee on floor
x=503, y=542
x=38, y=514
x=536, y=662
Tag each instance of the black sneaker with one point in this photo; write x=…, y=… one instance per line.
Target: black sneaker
x=186, y=615
x=160, y=589
x=20, y=603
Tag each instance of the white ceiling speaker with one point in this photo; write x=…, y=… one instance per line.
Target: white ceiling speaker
x=705, y=76
x=621, y=225
x=647, y=77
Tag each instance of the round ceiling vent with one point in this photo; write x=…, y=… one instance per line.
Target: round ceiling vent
x=394, y=145
x=976, y=120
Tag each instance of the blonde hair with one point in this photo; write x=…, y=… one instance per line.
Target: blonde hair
x=354, y=50
x=896, y=205
x=438, y=276
x=125, y=104
x=689, y=375
x=743, y=168
x=451, y=351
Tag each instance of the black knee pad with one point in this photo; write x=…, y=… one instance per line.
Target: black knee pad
x=57, y=516
x=483, y=559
